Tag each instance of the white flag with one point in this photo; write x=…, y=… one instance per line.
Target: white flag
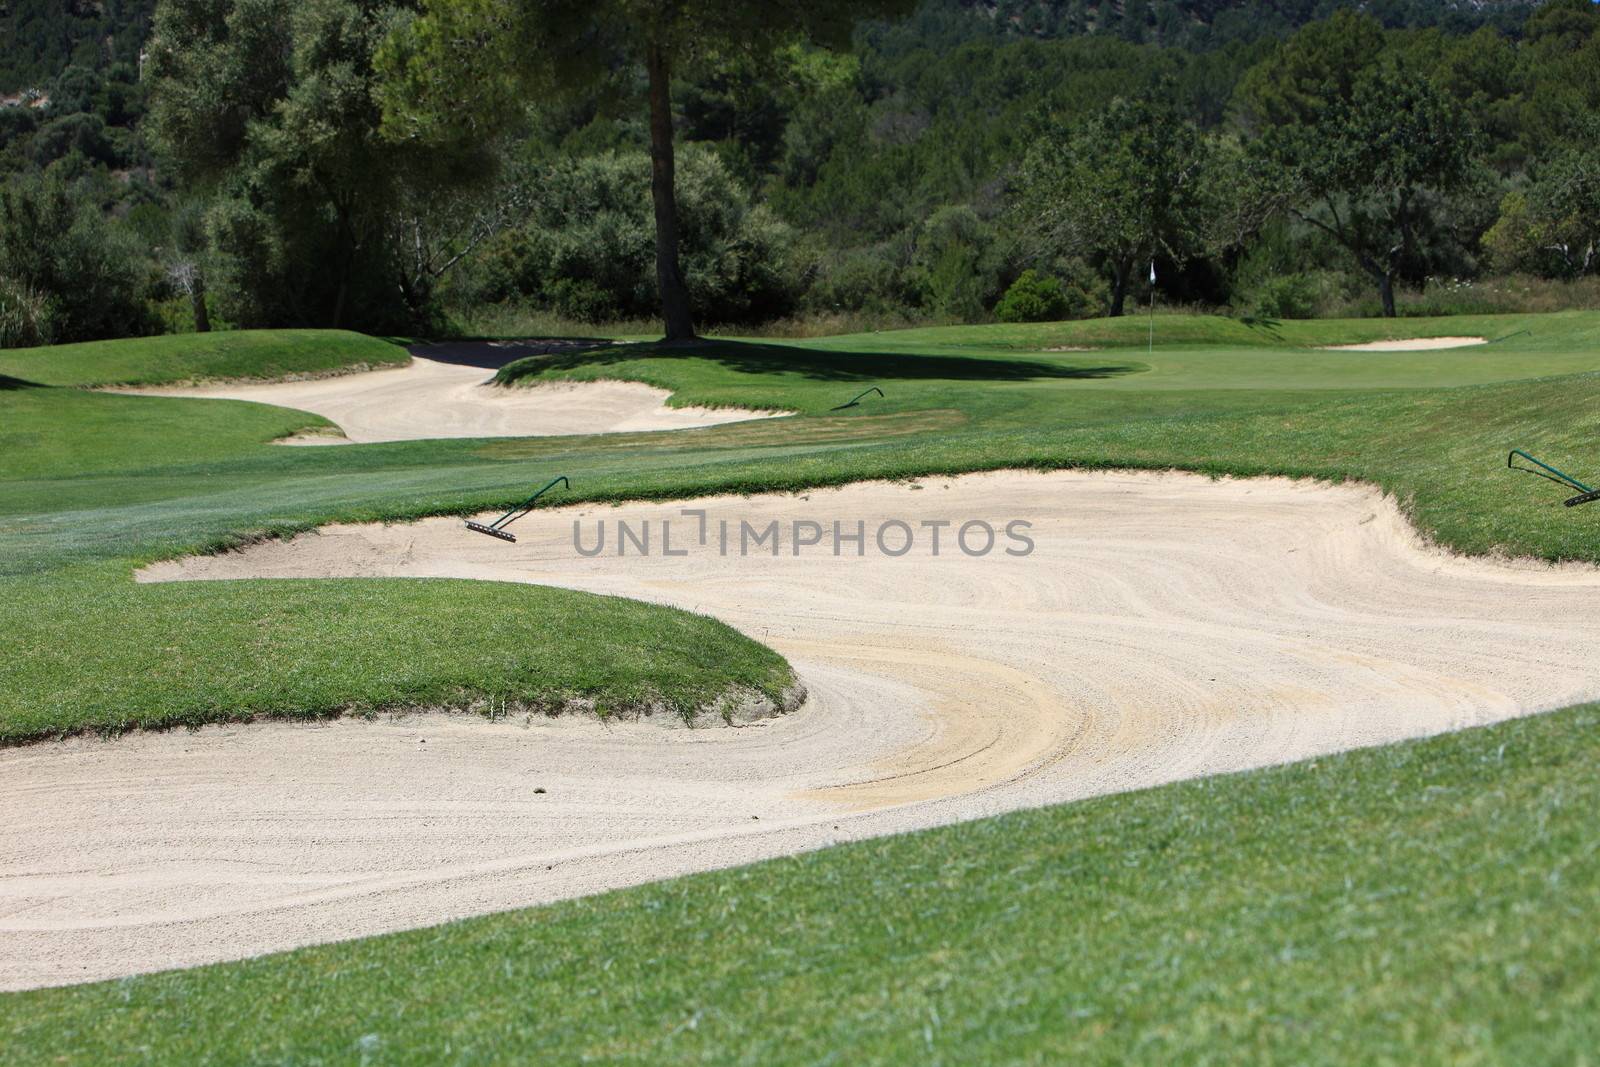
x=1152, y=272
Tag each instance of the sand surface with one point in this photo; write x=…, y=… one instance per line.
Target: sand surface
x=1164, y=627
x=1414, y=344
x=431, y=399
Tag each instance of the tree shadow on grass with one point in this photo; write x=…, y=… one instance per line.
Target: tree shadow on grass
x=1271, y=326
x=16, y=383
x=823, y=365
x=492, y=354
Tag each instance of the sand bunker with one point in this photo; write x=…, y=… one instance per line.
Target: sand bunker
x=1164, y=627
x=431, y=399
x=1414, y=344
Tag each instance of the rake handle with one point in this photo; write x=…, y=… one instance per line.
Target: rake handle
x=1563, y=475
x=527, y=505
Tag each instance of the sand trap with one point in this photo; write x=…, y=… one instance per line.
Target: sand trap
x=1414, y=344
x=432, y=399
x=1165, y=627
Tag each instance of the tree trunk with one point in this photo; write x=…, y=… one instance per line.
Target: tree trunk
x=338, y=301
x=1386, y=291
x=1119, y=287
x=197, y=300
x=669, y=277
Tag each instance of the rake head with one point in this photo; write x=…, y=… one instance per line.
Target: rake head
x=478, y=527
x=1582, y=498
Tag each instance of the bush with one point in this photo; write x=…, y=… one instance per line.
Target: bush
x=55, y=244
x=1311, y=294
x=588, y=252
x=874, y=280
x=1033, y=297
x=956, y=263
x=26, y=316
x=1293, y=296
x=174, y=313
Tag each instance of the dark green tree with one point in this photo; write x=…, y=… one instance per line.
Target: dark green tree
x=587, y=247
x=1553, y=225
x=1121, y=189
x=1374, y=172
x=1314, y=70
x=270, y=108
x=468, y=62
x=957, y=263
x=83, y=270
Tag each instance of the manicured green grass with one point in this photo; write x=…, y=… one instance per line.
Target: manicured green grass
x=1187, y=331
x=49, y=432
x=305, y=649
x=93, y=484
x=199, y=357
x=1426, y=903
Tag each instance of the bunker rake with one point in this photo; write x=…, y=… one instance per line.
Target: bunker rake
x=856, y=401
x=1586, y=494
x=497, y=528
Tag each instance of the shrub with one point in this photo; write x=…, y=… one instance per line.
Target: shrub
x=1033, y=297
x=588, y=253
x=957, y=263
x=57, y=245
x=26, y=315
x=873, y=279
x=1292, y=296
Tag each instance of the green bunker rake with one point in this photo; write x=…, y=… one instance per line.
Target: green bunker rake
x=1586, y=494
x=856, y=402
x=497, y=528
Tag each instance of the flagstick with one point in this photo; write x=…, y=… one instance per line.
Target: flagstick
x=1152, y=307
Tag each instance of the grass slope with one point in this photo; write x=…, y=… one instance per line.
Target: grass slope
x=189, y=653
x=1426, y=903
x=265, y=354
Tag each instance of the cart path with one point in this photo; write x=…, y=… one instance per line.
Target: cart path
x=1164, y=627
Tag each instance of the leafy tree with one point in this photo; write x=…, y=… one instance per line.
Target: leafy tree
x=1553, y=226
x=479, y=56
x=271, y=105
x=186, y=260
x=78, y=132
x=1561, y=58
x=858, y=151
x=587, y=249
x=26, y=317
x=957, y=263
x=1483, y=74
x=1374, y=172
x=1121, y=189
x=79, y=278
x=876, y=279
x=38, y=38
x=1315, y=70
